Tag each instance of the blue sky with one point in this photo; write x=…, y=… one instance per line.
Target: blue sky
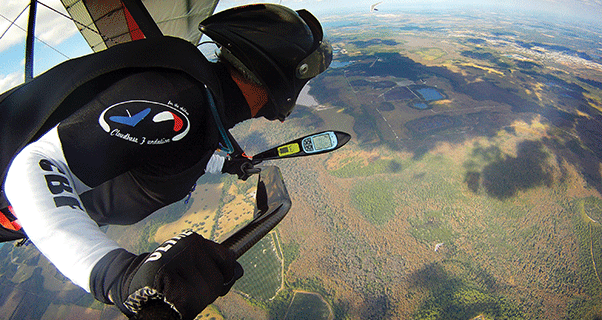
x=59, y=34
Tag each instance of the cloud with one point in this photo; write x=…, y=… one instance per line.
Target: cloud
x=51, y=27
x=10, y=80
x=10, y=9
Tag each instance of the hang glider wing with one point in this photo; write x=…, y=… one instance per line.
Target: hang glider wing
x=104, y=23
x=373, y=7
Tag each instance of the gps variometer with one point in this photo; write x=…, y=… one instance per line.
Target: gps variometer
x=313, y=144
x=320, y=142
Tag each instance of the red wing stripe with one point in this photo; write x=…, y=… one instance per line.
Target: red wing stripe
x=135, y=31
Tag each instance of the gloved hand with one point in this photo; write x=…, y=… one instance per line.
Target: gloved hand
x=187, y=272
x=240, y=166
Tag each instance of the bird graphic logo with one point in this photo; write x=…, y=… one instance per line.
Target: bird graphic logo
x=130, y=120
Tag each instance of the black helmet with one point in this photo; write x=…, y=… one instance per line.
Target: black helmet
x=282, y=48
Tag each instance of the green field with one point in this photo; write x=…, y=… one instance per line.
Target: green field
x=308, y=306
x=354, y=167
x=263, y=270
x=374, y=199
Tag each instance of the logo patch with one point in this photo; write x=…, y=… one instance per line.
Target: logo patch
x=145, y=122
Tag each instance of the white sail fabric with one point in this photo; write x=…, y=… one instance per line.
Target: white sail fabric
x=104, y=23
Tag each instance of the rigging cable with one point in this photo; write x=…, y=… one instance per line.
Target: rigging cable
x=12, y=22
x=42, y=41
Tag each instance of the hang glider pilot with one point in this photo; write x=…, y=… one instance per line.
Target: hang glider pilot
x=141, y=143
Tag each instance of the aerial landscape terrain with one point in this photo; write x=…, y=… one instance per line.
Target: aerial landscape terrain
x=471, y=188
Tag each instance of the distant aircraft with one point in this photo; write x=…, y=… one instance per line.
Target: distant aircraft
x=373, y=7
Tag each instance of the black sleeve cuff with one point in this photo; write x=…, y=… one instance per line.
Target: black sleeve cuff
x=107, y=274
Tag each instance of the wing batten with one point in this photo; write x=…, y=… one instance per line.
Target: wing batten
x=85, y=23
x=104, y=23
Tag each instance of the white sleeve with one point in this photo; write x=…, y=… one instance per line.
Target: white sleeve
x=215, y=164
x=44, y=196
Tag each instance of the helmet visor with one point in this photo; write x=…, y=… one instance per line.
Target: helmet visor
x=316, y=62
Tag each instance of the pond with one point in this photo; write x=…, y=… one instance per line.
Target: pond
x=430, y=94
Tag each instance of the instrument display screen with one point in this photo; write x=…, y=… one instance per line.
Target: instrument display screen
x=320, y=142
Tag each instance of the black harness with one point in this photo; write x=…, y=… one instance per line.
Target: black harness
x=33, y=108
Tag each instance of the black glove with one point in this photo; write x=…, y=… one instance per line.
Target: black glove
x=240, y=166
x=187, y=272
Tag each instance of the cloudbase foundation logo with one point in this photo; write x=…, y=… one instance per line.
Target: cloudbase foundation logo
x=145, y=122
